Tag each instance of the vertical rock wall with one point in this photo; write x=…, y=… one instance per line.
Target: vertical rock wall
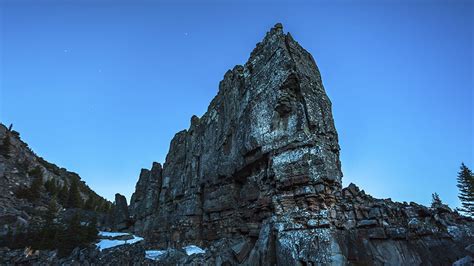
x=267, y=144
x=260, y=170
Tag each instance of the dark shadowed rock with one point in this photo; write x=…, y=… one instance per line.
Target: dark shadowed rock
x=121, y=217
x=144, y=201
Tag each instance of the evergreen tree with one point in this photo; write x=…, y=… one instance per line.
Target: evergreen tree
x=75, y=235
x=91, y=229
x=90, y=204
x=53, y=236
x=31, y=193
x=49, y=231
x=23, y=193
x=66, y=238
x=52, y=211
x=74, y=199
x=35, y=188
x=108, y=207
x=51, y=187
x=466, y=190
x=435, y=201
x=36, y=172
x=63, y=195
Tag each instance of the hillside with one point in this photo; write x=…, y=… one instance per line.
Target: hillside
x=28, y=183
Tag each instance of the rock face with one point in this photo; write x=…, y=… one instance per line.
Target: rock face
x=144, y=201
x=257, y=179
x=121, y=216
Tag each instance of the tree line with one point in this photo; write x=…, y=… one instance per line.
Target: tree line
x=52, y=234
x=67, y=196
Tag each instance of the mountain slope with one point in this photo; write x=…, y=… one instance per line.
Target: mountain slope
x=28, y=183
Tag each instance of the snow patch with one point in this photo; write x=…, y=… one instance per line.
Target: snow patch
x=192, y=249
x=154, y=254
x=112, y=234
x=110, y=243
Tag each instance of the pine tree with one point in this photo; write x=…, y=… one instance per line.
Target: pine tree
x=49, y=230
x=466, y=190
x=74, y=199
x=51, y=187
x=36, y=172
x=63, y=195
x=52, y=211
x=33, y=192
x=90, y=204
x=91, y=229
x=436, y=201
x=70, y=237
x=35, y=189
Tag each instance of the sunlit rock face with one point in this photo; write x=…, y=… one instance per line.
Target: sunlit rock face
x=258, y=176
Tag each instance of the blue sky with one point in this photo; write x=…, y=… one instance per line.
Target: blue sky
x=101, y=88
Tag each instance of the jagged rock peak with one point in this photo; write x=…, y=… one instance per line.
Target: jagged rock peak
x=121, y=214
x=275, y=33
x=268, y=132
x=144, y=201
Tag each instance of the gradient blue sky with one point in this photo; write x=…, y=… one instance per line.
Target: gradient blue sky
x=101, y=88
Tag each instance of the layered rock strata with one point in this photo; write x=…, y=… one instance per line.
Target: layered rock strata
x=258, y=177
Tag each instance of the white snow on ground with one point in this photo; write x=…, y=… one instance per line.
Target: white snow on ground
x=192, y=249
x=112, y=234
x=157, y=254
x=109, y=243
x=154, y=254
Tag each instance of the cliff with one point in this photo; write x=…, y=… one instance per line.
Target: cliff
x=257, y=180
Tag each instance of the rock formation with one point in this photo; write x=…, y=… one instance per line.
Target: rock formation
x=144, y=201
x=121, y=217
x=257, y=180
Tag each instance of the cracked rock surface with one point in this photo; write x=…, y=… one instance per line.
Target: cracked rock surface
x=257, y=180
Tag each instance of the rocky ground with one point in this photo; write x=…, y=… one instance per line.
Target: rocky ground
x=368, y=231
x=133, y=254
x=112, y=248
